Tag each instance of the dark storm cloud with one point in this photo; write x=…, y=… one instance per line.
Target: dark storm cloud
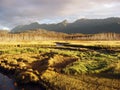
x=15, y=12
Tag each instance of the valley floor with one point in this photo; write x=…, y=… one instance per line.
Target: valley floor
x=63, y=65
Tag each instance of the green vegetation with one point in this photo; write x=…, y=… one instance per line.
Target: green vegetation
x=63, y=67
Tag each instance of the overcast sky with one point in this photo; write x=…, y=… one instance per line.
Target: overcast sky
x=17, y=12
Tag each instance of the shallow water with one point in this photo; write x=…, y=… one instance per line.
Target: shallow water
x=8, y=84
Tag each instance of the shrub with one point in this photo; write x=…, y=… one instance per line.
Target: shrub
x=75, y=68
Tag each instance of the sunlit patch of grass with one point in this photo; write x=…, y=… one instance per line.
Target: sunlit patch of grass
x=92, y=67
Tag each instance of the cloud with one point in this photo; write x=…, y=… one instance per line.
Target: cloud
x=17, y=12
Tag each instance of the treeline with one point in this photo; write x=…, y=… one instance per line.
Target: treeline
x=100, y=36
x=40, y=34
x=31, y=35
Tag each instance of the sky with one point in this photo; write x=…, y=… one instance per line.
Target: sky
x=20, y=12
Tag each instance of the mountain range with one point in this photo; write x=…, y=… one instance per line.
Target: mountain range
x=85, y=26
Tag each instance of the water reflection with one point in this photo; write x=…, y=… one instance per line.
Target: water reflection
x=8, y=84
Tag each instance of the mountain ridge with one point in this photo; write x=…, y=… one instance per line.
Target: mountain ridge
x=85, y=26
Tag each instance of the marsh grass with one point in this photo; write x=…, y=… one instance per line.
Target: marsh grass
x=61, y=67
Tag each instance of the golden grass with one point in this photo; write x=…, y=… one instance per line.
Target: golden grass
x=52, y=42
x=49, y=62
x=92, y=43
x=59, y=81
